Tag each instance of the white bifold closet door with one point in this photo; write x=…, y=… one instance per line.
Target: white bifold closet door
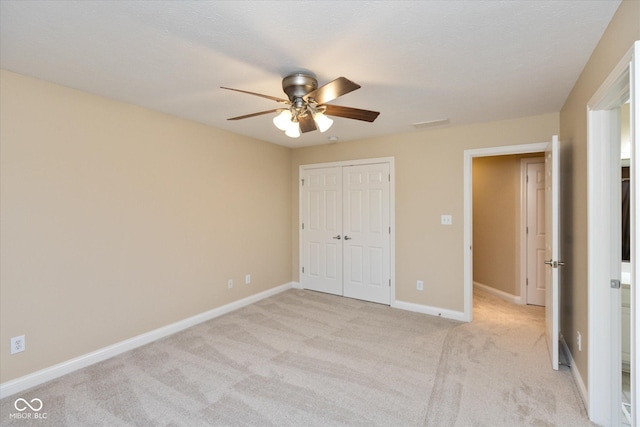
x=346, y=231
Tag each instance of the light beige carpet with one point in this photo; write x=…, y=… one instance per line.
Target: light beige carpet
x=302, y=358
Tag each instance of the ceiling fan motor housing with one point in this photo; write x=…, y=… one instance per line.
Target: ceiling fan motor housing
x=298, y=85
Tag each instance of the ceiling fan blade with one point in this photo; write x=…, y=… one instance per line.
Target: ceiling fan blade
x=246, y=116
x=351, y=113
x=332, y=90
x=307, y=124
x=273, y=98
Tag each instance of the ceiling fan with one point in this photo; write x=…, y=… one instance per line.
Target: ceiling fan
x=306, y=109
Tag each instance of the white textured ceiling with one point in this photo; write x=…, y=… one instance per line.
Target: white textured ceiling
x=469, y=61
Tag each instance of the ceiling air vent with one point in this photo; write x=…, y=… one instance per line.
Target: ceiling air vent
x=430, y=124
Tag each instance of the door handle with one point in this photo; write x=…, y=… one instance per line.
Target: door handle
x=337, y=237
x=554, y=264
x=347, y=238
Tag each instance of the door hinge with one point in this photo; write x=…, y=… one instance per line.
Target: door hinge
x=389, y=282
x=302, y=182
x=527, y=230
x=303, y=225
x=615, y=284
x=389, y=177
x=527, y=178
x=389, y=230
x=527, y=281
x=303, y=269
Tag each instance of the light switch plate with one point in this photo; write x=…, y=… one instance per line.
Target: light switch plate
x=446, y=220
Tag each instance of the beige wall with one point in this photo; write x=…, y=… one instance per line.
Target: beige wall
x=616, y=41
x=496, y=221
x=429, y=182
x=117, y=220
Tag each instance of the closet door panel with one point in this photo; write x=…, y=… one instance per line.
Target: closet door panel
x=321, y=195
x=366, y=232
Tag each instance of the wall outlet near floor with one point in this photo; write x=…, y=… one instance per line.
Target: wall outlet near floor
x=17, y=344
x=419, y=285
x=230, y=283
x=579, y=341
x=247, y=279
x=446, y=219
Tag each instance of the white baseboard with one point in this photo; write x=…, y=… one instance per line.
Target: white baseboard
x=418, y=308
x=426, y=309
x=40, y=377
x=582, y=389
x=498, y=293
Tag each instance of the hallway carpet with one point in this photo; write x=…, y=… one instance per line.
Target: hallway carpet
x=303, y=358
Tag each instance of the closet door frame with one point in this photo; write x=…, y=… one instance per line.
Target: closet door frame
x=392, y=217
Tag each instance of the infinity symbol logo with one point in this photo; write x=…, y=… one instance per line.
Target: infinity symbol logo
x=20, y=403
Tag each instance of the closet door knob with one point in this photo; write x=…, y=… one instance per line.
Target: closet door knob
x=337, y=237
x=347, y=238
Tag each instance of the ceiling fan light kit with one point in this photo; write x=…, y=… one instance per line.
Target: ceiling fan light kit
x=293, y=130
x=283, y=120
x=323, y=122
x=306, y=109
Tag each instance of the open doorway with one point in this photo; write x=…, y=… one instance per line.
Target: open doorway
x=552, y=233
x=508, y=227
x=469, y=156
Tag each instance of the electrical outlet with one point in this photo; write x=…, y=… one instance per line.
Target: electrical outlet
x=17, y=344
x=230, y=283
x=419, y=285
x=446, y=219
x=247, y=279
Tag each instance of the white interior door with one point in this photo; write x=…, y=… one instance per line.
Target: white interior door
x=536, y=230
x=366, y=232
x=346, y=231
x=552, y=250
x=322, y=226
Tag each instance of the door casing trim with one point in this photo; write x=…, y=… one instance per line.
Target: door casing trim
x=603, y=124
